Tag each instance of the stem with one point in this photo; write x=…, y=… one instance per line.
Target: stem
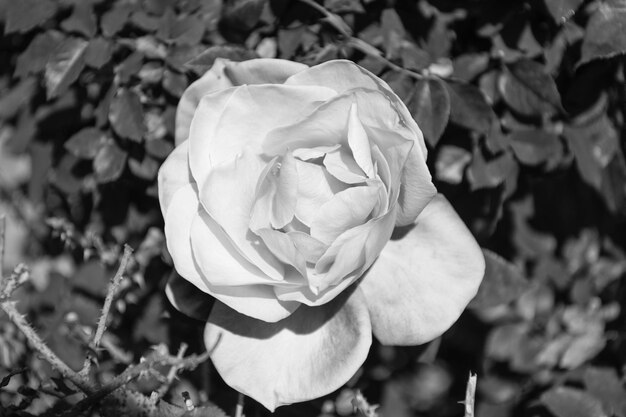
x=3, y=225
x=43, y=349
x=172, y=372
x=239, y=409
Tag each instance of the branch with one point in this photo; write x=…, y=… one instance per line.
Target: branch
x=108, y=301
x=172, y=373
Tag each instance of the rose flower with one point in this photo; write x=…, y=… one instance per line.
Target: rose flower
x=280, y=201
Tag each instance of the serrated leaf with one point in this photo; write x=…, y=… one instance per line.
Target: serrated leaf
x=571, y=402
x=82, y=20
x=126, y=115
x=85, y=143
x=536, y=146
x=203, y=62
x=430, y=107
x=503, y=282
x=39, y=51
x=604, y=36
x=469, y=108
x=605, y=384
x=65, y=65
x=529, y=90
x=562, y=10
x=24, y=15
x=109, y=163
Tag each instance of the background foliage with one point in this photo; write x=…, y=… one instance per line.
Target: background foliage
x=522, y=104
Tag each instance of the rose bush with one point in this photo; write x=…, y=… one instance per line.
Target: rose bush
x=280, y=200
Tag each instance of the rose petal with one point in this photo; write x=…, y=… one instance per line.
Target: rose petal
x=341, y=165
x=284, y=249
x=327, y=125
x=315, y=187
x=345, y=210
x=238, y=118
x=213, y=80
x=343, y=75
x=262, y=71
x=228, y=196
x=298, y=359
x=172, y=175
x=187, y=298
x=421, y=283
x=311, y=248
x=311, y=153
x=257, y=301
x=359, y=143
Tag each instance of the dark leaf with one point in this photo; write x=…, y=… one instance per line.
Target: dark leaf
x=98, y=53
x=533, y=147
x=145, y=169
x=562, y=10
x=203, y=62
x=504, y=341
x=242, y=14
x=82, y=20
x=503, y=282
x=430, y=107
x=604, y=37
x=469, y=66
x=65, y=66
x=23, y=15
x=344, y=6
x=605, y=384
x=39, y=51
x=126, y=115
x=529, y=90
x=489, y=174
x=571, y=402
x=187, y=298
x=159, y=148
x=129, y=67
x=115, y=19
x=109, y=163
x=187, y=30
x=86, y=143
x=174, y=83
x=14, y=100
x=468, y=107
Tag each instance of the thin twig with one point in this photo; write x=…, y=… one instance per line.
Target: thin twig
x=239, y=409
x=108, y=301
x=43, y=349
x=172, y=372
x=470, y=394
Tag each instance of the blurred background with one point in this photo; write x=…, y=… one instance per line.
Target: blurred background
x=522, y=105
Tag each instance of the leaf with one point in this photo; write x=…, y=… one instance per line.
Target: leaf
x=605, y=384
x=582, y=349
x=604, y=35
x=430, y=107
x=562, y=10
x=39, y=51
x=451, y=164
x=159, y=148
x=115, y=19
x=24, y=15
x=529, y=90
x=571, y=402
x=503, y=282
x=82, y=20
x=14, y=100
x=242, y=14
x=536, y=146
x=85, y=143
x=126, y=115
x=109, y=163
x=469, y=108
x=145, y=169
x=98, y=53
x=489, y=174
x=65, y=66
x=203, y=62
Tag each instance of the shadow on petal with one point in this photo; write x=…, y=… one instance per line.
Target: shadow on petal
x=187, y=298
x=307, y=355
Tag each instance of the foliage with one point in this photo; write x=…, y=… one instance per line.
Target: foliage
x=522, y=105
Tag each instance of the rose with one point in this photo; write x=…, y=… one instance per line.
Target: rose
x=280, y=200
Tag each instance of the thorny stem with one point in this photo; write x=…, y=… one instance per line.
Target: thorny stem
x=112, y=290
x=172, y=372
x=470, y=394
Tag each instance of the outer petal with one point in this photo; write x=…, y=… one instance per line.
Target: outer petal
x=421, y=283
x=254, y=300
x=213, y=80
x=224, y=74
x=262, y=71
x=309, y=354
x=173, y=175
x=231, y=120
